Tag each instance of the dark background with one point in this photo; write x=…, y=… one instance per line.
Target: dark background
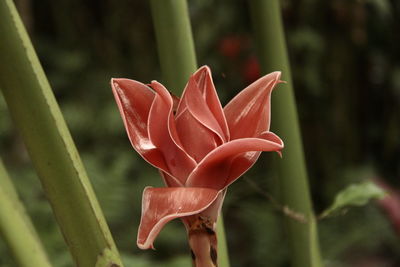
x=346, y=68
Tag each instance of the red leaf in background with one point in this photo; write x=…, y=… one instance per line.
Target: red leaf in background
x=232, y=46
x=251, y=69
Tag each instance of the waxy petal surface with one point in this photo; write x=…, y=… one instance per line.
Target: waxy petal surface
x=161, y=205
x=229, y=161
x=134, y=101
x=169, y=180
x=196, y=139
x=198, y=147
x=162, y=133
x=201, y=98
x=248, y=114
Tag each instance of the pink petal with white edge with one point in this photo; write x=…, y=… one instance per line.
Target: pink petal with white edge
x=161, y=205
x=201, y=98
x=162, y=133
x=196, y=139
x=134, y=101
x=228, y=162
x=248, y=114
x=169, y=180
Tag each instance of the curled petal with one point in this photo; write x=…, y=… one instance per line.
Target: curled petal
x=248, y=114
x=161, y=205
x=201, y=98
x=134, y=101
x=169, y=180
x=162, y=133
x=226, y=163
x=196, y=139
x=273, y=138
x=175, y=101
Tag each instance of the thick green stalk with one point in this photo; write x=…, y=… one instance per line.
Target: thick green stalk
x=175, y=42
x=178, y=61
x=269, y=32
x=223, y=256
x=16, y=227
x=37, y=115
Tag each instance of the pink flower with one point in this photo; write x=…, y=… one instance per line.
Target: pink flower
x=199, y=147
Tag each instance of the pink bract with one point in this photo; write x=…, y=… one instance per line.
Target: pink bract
x=199, y=147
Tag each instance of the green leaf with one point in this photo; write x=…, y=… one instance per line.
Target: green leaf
x=354, y=195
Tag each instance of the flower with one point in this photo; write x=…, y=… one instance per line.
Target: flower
x=199, y=147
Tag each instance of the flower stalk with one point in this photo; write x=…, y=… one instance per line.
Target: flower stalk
x=203, y=241
x=178, y=61
x=267, y=22
x=37, y=115
x=16, y=227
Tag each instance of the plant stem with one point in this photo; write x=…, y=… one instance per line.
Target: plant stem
x=37, y=115
x=223, y=256
x=178, y=61
x=17, y=228
x=175, y=42
x=202, y=241
x=268, y=28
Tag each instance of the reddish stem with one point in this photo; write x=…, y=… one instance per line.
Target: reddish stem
x=202, y=241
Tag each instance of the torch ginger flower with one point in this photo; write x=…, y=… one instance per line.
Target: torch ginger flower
x=199, y=148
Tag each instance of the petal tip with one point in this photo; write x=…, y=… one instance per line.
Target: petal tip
x=145, y=245
x=277, y=72
x=277, y=75
x=116, y=80
x=114, y=83
x=202, y=70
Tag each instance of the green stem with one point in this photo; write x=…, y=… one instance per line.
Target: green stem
x=178, y=61
x=268, y=28
x=17, y=228
x=223, y=256
x=175, y=42
x=37, y=115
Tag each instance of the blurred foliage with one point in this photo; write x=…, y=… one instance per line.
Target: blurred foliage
x=346, y=68
x=354, y=195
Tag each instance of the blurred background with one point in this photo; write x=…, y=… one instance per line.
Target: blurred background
x=346, y=68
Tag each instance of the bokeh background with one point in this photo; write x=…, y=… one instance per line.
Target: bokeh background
x=345, y=60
